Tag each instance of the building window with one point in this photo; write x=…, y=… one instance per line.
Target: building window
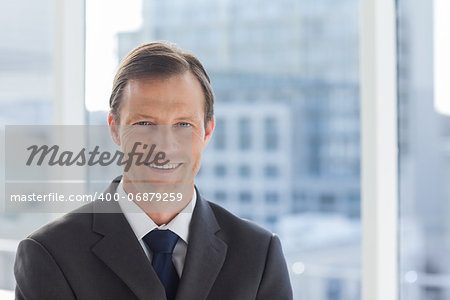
x=299, y=203
x=354, y=206
x=271, y=134
x=220, y=196
x=271, y=220
x=219, y=135
x=245, y=196
x=245, y=171
x=220, y=171
x=245, y=134
x=327, y=203
x=271, y=197
x=271, y=171
x=334, y=289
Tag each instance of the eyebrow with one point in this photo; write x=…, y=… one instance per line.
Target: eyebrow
x=139, y=115
x=186, y=117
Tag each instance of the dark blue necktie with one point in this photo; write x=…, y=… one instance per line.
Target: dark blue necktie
x=162, y=243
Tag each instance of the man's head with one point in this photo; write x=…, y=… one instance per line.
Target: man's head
x=159, y=60
x=160, y=85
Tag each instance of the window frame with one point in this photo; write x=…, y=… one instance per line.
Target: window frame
x=379, y=149
x=69, y=62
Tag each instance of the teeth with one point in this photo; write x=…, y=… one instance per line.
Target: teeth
x=165, y=167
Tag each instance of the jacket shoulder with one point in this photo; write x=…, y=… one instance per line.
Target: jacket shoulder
x=66, y=228
x=236, y=225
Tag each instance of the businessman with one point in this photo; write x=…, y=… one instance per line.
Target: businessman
x=186, y=248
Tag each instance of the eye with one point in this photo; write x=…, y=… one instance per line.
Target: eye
x=144, y=123
x=183, y=124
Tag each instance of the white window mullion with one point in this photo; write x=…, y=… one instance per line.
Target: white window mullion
x=69, y=82
x=379, y=149
x=68, y=63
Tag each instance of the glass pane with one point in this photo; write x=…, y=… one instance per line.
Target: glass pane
x=26, y=98
x=286, y=149
x=424, y=140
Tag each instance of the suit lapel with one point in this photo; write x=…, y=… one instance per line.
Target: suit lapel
x=121, y=251
x=205, y=254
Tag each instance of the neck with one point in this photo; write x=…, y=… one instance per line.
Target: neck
x=162, y=218
x=161, y=212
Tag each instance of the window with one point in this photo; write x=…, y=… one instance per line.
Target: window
x=220, y=170
x=327, y=203
x=220, y=196
x=271, y=134
x=271, y=171
x=271, y=197
x=334, y=289
x=424, y=159
x=354, y=205
x=219, y=137
x=244, y=171
x=285, y=105
x=26, y=63
x=271, y=219
x=245, y=197
x=299, y=204
x=34, y=71
x=245, y=134
x=274, y=62
x=26, y=85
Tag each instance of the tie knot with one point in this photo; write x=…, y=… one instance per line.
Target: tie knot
x=161, y=241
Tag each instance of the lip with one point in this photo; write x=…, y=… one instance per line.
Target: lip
x=164, y=171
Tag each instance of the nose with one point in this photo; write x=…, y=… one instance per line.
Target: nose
x=169, y=140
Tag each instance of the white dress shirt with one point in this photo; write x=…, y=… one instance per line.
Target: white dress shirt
x=142, y=224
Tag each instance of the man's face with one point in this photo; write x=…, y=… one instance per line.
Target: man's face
x=176, y=106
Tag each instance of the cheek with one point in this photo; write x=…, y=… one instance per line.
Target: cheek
x=198, y=144
x=197, y=150
x=198, y=136
x=196, y=162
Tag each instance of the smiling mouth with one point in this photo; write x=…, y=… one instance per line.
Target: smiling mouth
x=165, y=167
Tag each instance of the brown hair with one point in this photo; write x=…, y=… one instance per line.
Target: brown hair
x=160, y=60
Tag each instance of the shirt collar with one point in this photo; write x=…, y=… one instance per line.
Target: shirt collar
x=143, y=224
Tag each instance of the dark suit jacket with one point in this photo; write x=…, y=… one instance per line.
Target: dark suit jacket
x=89, y=255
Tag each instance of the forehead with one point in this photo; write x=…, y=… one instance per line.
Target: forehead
x=182, y=92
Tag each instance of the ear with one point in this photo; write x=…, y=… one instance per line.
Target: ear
x=114, y=129
x=210, y=125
